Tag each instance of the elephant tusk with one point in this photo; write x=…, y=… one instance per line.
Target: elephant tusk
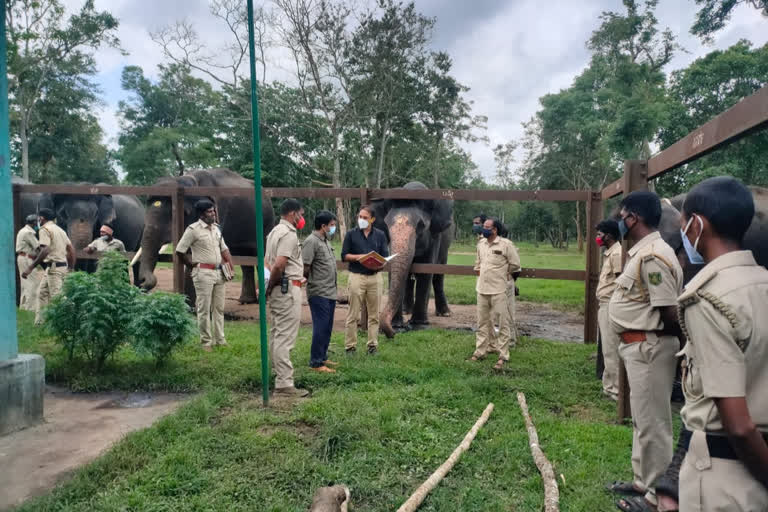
x=135, y=257
x=666, y=200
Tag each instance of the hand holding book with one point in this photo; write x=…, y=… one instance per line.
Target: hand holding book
x=374, y=261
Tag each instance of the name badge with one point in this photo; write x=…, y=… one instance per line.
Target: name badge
x=497, y=252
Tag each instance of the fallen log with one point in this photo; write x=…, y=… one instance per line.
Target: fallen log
x=418, y=497
x=551, y=492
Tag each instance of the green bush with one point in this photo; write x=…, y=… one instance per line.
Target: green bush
x=97, y=313
x=162, y=323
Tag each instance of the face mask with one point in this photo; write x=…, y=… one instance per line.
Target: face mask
x=477, y=229
x=487, y=233
x=599, y=241
x=332, y=231
x=623, y=229
x=693, y=255
x=301, y=223
x=362, y=223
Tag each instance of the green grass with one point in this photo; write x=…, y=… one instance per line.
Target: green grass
x=381, y=426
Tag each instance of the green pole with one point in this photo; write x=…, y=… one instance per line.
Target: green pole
x=9, y=345
x=259, y=218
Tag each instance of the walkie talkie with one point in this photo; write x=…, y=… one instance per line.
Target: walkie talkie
x=284, y=284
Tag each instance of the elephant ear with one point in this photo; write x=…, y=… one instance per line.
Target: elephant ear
x=46, y=201
x=381, y=208
x=107, y=215
x=442, y=216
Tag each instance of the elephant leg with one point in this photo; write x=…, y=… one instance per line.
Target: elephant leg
x=137, y=274
x=423, y=285
x=248, y=293
x=441, y=303
x=408, y=299
x=397, y=319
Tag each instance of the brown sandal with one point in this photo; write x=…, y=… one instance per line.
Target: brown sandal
x=499, y=364
x=474, y=359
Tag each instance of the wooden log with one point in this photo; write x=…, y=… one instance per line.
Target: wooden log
x=551, y=492
x=418, y=497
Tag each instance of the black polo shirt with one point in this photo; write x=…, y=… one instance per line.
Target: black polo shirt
x=357, y=243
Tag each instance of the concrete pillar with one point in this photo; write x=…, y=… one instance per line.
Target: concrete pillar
x=22, y=377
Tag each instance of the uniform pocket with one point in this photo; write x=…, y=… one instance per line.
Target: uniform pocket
x=691, y=380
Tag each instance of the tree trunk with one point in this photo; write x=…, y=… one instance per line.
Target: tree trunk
x=177, y=156
x=436, y=170
x=382, y=149
x=24, y=146
x=339, y=203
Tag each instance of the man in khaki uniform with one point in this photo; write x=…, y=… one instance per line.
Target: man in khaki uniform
x=56, y=256
x=608, y=237
x=496, y=264
x=286, y=277
x=643, y=311
x=209, y=254
x=106, y=242
x=725, y=372
x=26, y=250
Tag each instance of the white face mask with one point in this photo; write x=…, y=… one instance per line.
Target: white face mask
x=331, y=230
x=362, y=223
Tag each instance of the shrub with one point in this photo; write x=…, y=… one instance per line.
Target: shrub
x=162, y=322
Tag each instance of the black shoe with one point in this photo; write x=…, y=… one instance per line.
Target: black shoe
x=372, y=351
x=351, y=351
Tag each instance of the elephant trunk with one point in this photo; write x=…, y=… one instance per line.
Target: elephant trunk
x=151, y=243
x=403, y=243
x=80, y=234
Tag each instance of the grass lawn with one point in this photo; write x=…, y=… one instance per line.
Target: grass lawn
x=381, y=426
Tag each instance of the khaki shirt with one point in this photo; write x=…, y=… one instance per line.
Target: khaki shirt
x=56, y=240
x=283, y=241
x=26, y=241
x=610, y=269
x=317, y=252
x=652, y=279
x=725, y=321
x=206, y=242
x=496, y=261
x=101, y=245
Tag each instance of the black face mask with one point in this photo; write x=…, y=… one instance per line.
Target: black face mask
x=487, y=233
x=477, y=229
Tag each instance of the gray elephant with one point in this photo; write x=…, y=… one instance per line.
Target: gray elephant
x=419, y=231
x=236, y=215
x=82, y=216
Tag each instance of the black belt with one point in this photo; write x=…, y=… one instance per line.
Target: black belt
x=719, y=446
x=53, y=264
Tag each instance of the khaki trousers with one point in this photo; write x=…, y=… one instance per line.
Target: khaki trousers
x=30, y=285
x=363, y=288
x=717, y=485
x=50, y=286
x=651, y=372
x=513, y=322
x=610, y=342
x=487, y=307
x=210, y=291
x=284, y=314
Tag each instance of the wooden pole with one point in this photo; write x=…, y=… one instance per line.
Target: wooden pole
x=177, y=229
x=417, y=498
x=594, y=216
x=551, y=492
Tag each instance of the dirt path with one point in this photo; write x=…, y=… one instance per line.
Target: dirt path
x=77, y=429
x=533, y=320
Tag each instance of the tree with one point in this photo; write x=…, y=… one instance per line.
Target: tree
x=504, y=156
x=44, y=46
x=714, y=14
x=167, y=124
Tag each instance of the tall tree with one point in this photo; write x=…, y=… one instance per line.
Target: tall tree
x=44, y=45
x=714, y=14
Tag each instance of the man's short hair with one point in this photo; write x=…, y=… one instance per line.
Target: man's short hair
x=725, y=202
x=644, y=204
x=47, y=214
x=609, y=227
x=369, y=209
x=323, y=218
x=202, y=206
x=31, y=219
x=290, y=206
x=480, y=216
x=500, y=229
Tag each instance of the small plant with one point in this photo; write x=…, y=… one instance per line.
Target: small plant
x=161, y=324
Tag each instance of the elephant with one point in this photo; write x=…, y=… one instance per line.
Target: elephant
x=28, y=200
x=236, y=216
x=419, y=231
x=82, y=216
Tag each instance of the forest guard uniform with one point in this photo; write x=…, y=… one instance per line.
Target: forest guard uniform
x=26, y=249
x=608, y=337
x=652, y=279
x=207, y=243
x=284, y=309
x=723, y=316
x=496, y=262
x=55, y=265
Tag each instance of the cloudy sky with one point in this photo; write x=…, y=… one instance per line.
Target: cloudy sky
x=509, y=52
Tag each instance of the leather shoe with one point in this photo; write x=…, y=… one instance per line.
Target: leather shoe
x=291, y=391
x=323, y=369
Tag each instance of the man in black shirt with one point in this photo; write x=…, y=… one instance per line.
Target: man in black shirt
x=364, y=283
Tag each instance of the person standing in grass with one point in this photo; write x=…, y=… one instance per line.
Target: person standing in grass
x=643, y=312
x=608, y=239
x=725, y=370
x=320, y=271
x=496, y=264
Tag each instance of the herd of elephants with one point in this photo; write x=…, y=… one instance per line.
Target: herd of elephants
x=419, y=231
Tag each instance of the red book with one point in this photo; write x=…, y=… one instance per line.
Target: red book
x=374, y=260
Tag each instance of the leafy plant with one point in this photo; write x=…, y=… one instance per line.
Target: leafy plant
x=161, y=324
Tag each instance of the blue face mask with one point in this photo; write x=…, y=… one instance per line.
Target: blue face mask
x=693, y=255
x=477, y=229
x=487, y=233
x=332, y=231
x=623, y=229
